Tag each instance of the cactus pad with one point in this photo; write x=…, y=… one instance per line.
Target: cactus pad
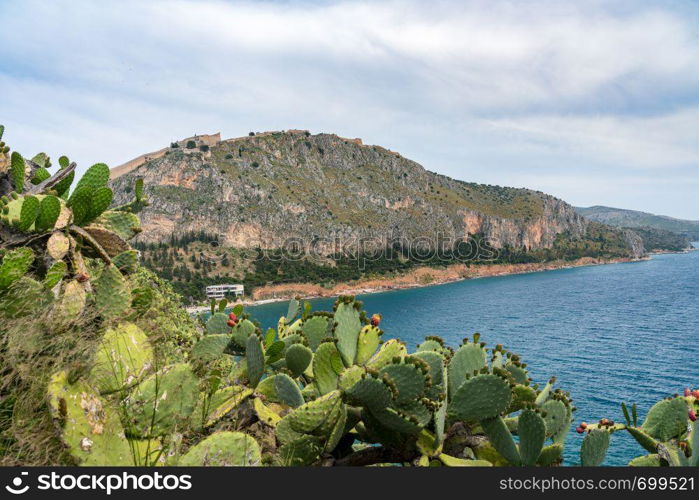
x=389, y=350
x=31, y=206
x=594, y=448
x=481, y=397
x=369, y=339
x=303, y=451
x=112, y=293
x=225, y=400
x=49, y=212
x=532, y=434
x=255, y=357
x=315, y=330
x=666, y=419
x=241, y=331
x=122, y=359
x=327, y=366
x=125, y=224
x=15, y=264
x=18, y=169
x=224, y=449
x=467, y=359
x=112, y=243
x=217, y=324
x=347, y=326
x=126, y=262
x=88, y=425
x=210, y=348
x=54, y=274
x=162, y=401
x=265, y=413
x=501, y=439
x=298, y=357
x=409, y=380
x=556, y=416
x=287, y=390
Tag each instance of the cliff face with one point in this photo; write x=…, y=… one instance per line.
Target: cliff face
x=325, y=192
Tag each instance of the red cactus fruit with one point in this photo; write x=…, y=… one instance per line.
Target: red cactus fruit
x=232, y=316
x=583, y=425
x=579, y=430
x=604, y=421
x=692, y=415
x=375, y=320
x=687, y=392
x=695, y=393
x=231, y=323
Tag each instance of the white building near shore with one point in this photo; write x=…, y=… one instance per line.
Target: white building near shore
x=220, y=291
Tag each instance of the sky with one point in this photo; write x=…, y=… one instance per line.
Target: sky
x=595, y=102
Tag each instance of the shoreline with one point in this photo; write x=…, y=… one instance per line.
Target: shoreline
x=417, y=278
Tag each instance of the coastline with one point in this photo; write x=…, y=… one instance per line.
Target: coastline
x=416, y=278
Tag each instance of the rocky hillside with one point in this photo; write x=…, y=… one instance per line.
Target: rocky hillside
x=323, y=191
x=634, y=219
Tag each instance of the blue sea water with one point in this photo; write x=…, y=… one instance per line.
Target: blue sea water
x=612, y=333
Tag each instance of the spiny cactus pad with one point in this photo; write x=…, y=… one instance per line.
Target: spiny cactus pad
x=469, y=358
x=594, y=448
x=217, y=324
x=123, y=358
x=287, y=390
x=348, y=323
x=389, y=350
x=241, y=331
x=480, y=397
x=556, y=416
x=532, y=434
x=127, y=261
x=125, y=224
x=255, y=357
x=210, y=348
x=315, y=330
x=112, y=293
x=327, y=366
x=368, y=342
x=666, y=419
x=224, y=449
x=15, y=264
x=298, y=357
x=162, y=401
x=501, y=439
x=87, y=424
x=55, y=274
x=223, y=402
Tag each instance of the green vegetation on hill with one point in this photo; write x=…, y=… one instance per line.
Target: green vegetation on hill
x=660, y=240
x=634, y=219
x=195, y=260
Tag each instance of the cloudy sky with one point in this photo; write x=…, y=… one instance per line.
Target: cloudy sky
x=595, y=102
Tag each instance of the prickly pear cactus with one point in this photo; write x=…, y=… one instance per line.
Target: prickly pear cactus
x=669, y=433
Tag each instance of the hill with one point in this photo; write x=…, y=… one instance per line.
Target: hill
x=232, y=208
x=634, y=219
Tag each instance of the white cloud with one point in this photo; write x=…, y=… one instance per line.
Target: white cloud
x=635, y=142
x=493, y=91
